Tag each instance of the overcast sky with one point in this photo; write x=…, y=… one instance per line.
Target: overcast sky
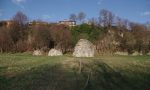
x=55, y=10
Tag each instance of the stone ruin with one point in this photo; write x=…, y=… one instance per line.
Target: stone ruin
x=37, y=52
x=121, y=53
x=84, y=48
x=54, y=52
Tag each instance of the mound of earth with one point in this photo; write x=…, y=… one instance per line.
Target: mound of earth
x=136, y=53
x=84, y=48
x=121, y=53
x=54, y=52
x=37, y=53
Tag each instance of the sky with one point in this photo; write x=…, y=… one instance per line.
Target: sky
x=56, y=10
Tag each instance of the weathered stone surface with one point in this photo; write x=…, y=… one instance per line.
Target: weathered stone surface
x=148, y=53
x=126, y=53
x=136, y=53
x=121, y=53
x=84, y=48
x=37, y=52
x=54, y=52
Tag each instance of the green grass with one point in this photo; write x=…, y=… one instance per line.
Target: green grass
x=26, y=72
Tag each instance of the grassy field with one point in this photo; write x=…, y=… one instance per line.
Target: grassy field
x=27, y=72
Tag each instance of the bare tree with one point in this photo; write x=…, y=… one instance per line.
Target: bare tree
x=19, y=27
x=121, y=23
x=128, y=42
x=40, y=36
x=20, y=18
x=142, y=37
x=73, y=17
x=78, y=18
x=5, y=40
x=61, y=35
x=106, y=18
x=93, y=21
x=81, y=16
x=147, y=24
x=18, y=31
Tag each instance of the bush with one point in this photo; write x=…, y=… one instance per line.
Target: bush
x=62, y=38
x=40, y=37
x=6, y=42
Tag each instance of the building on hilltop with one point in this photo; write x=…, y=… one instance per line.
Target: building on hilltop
x=37, y=23
x=68, y=22
x=6, y=23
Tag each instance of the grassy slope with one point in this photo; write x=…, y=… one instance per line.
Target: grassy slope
x=27, y=72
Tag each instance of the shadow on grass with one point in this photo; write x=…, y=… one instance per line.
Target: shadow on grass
x=102, y=77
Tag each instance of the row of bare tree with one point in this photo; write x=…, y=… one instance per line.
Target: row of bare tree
x=21, y=36
x=120, y=34
x=108, y=32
